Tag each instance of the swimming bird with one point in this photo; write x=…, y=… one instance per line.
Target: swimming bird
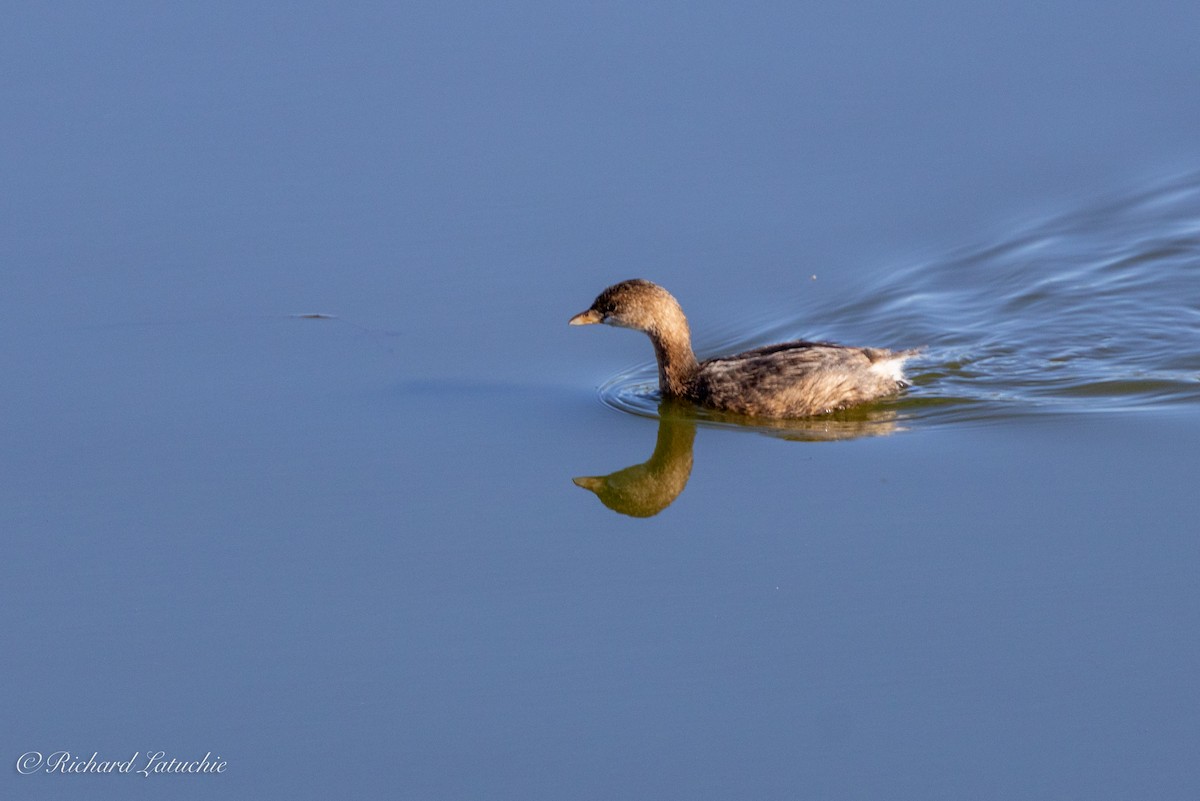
x=791, y=379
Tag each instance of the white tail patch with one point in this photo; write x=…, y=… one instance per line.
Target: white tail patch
x=892, y=368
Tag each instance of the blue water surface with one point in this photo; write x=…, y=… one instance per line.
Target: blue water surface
x=304, y=470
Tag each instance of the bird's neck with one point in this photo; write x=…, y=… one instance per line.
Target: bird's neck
x=676, y=360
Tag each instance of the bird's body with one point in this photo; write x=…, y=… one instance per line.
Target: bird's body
x=791, y=379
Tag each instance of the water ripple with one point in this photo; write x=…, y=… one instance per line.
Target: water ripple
x=1094, y=310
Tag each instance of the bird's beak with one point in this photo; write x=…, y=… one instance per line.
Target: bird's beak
x=589, y=317
x=593, y=483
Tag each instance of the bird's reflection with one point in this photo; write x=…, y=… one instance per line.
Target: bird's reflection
x=644, y=490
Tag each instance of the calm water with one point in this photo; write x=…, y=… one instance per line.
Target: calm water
x=303, y=468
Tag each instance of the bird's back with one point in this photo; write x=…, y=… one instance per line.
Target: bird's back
x=797, y=379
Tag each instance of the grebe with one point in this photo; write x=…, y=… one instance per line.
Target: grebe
x=792, y=379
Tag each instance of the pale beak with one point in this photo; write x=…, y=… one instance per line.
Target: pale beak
x=593, y=483
x=589, y=317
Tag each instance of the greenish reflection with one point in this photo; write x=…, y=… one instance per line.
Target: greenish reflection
x=644, y=490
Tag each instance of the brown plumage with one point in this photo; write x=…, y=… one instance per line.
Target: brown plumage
x=792, y=379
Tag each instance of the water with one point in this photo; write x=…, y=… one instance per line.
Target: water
x=303, y=468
